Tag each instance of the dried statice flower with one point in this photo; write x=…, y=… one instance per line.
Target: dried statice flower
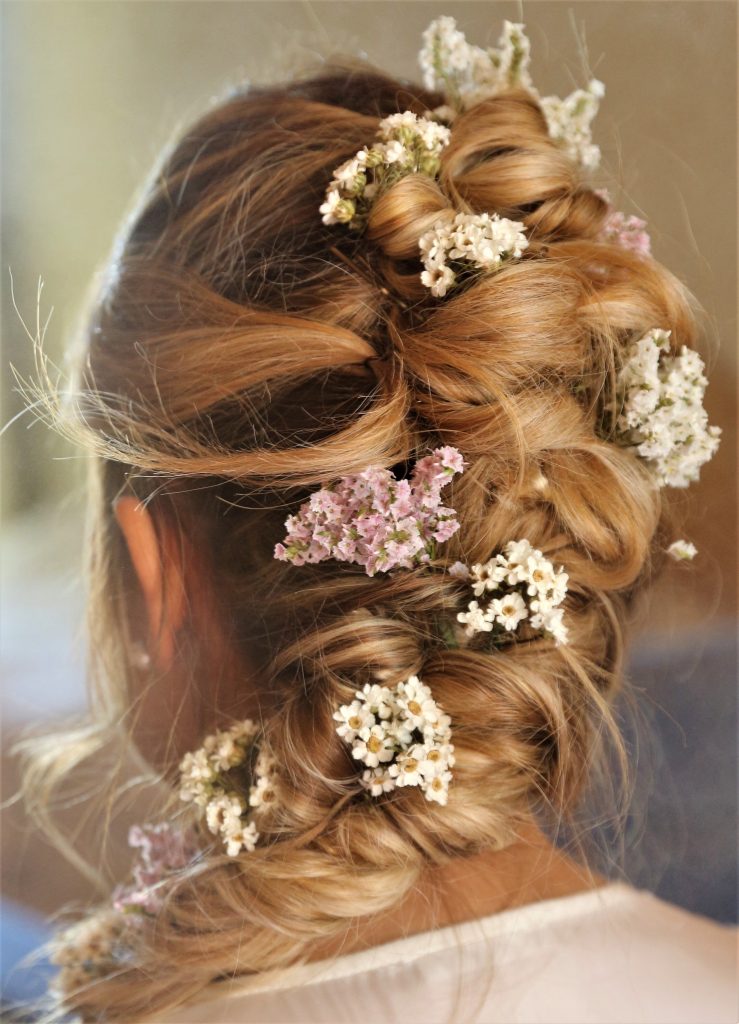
x=374, y=520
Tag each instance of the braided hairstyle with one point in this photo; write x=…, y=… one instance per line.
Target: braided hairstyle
x=242, y=353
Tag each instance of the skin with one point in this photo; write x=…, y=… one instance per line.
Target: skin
x=530, y=870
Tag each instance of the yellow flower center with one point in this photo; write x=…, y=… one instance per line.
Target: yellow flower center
x=374, y=744
x=433, y=755
x=437, y=784
x=355, y=722
x=414, y=707
x=410, y=765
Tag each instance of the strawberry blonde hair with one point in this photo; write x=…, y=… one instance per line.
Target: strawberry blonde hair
x=241, y=354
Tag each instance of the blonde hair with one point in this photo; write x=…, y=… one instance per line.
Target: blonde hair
x=241, y=354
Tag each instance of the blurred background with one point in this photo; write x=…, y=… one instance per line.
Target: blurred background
x=90, y=93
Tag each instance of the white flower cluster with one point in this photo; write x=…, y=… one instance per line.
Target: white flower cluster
x=87, y=950
x=662, y=412
x=569, y=121
x=516, y=586
x=205, y=781
x=469, y=74
x=408, y=144
x=401, y=736
x=682, y=551
x=477, y=240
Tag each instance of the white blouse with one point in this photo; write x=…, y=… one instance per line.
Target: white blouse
x=615, y=955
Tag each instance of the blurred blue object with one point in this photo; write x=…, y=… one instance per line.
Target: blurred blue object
x=683, y=844
x=22, y=932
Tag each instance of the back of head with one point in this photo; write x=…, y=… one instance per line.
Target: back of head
x=243, y=353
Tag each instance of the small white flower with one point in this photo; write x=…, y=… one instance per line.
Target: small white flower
x=682, y=550
x=416, y=704
x=377, y=698
x=475, y=619
x=378, y=781
x=459, y=570
x=263, y=794
x=373, y=746
x=245, y=838
x=438, y=788
x=228, y=754
x=517, y=552
x=438, y=278
x=223, y=814
x=488, y=576
x=435, y=759
x=509, y=610
x=353, y=717
x=328, y=209
x=549, y=619
x=407, y=769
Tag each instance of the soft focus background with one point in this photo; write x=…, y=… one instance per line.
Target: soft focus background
x=92, y=90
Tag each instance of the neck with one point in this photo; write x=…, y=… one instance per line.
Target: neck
x=466, y=888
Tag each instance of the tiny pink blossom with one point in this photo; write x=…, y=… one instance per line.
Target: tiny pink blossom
x=163, y=849
x=628, y=232
x=374, y=520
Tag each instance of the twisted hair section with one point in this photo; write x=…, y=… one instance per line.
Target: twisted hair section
x=242, y=353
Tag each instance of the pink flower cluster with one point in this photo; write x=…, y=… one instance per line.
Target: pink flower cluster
x=374, y=520
x=628, y=232
x=162, y=850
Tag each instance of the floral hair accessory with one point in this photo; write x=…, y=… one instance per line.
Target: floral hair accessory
x=662, y=415
x=468, y=74
x=89, y=949
x=162, y=850
x=374, y=520
x=682, y=551
x=408, y=144
x=628, y=232
x=402, y=737
x=207, y=778
x=519, y=585
x=470, y=241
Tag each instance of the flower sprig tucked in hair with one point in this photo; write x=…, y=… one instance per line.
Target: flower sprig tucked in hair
x=89, y=949
x=662, y=414
x=467, y=243
x=519, y=585
x=468, y=74
x=408, y=144
x=629, y=232
x=374, y=520
x=206, y=780
x=162, y=850
x=402, y=737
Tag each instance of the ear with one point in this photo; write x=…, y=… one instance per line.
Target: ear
x=157, y=562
